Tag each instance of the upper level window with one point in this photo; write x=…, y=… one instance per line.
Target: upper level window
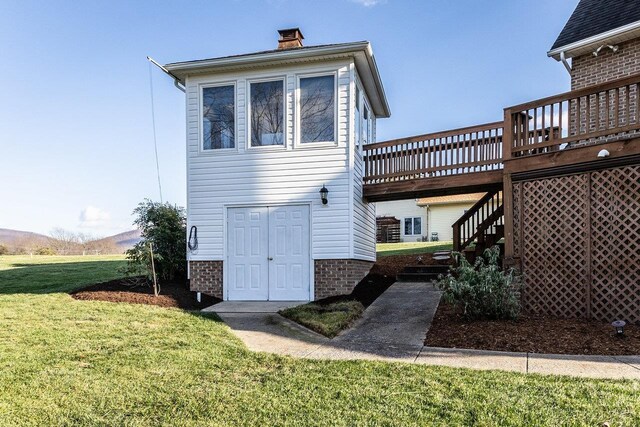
x=358, y=118
x=317, y=109
x=365, y=125
x=218, y=117
x=267, y=113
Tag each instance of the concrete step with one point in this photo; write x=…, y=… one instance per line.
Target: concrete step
x=417, y=277
x=426, y=269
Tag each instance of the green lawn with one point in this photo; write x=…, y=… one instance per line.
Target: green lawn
x=412, y=248
x=328, y=319
x=68, y=362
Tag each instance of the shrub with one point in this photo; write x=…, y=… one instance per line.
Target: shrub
x=483, y=290
x=45, y=251
x=164, y=226
x=4, y=250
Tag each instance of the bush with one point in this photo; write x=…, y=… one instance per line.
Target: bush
x=164, y=226
x=483, y=290
x=4, y=250
x=45, y=251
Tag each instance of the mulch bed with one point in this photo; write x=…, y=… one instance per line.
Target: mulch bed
x=175, y=294
x=534, y=334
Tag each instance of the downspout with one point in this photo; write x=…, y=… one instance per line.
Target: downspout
x=176, y=81
x=563, y=58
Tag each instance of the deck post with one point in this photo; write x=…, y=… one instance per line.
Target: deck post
x=507, y=144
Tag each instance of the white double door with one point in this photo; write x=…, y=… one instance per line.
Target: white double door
x=268, y=253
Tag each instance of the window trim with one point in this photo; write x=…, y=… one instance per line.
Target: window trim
x=412, y=218
x=213, y=151
x=298, y=128
x=284, y=146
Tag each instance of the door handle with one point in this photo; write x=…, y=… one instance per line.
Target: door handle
x=270, y=258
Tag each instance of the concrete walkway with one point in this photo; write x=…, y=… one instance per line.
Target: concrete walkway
x=393, y=328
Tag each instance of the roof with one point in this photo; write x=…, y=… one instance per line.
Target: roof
x=457, y=198
x=361, y=52
x=597, y=21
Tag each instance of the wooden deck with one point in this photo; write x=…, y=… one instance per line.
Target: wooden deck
x=550, y=134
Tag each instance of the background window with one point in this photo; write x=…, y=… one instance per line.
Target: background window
x=267, y=113
x=317, y=109
x=413, y=226
x=218, y=117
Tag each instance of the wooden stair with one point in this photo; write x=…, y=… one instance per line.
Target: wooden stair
x=481, y=227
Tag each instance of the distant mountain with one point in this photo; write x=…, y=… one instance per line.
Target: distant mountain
x=9, y=237
x=125, y=240
x=122, y=241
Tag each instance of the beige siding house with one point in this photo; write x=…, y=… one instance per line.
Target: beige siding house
x=424, y=219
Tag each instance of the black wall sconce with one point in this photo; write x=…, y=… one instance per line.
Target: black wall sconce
x=324, y=193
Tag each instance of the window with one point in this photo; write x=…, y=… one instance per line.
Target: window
x=317, y=109
x=358, y=119
x=413, y=226
x=267, y=113
x=218, y=117
x=365, y=125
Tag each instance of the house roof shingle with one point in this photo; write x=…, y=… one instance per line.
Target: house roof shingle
x=593, y=17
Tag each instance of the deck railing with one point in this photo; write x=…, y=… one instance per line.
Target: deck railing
x=587, y=116
x=471, y=149
x=596, y=114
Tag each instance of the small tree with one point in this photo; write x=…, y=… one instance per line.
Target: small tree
x=4, y=250
x=162, y=225
x=483, y=290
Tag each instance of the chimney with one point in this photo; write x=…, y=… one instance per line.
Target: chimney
x=289, y=38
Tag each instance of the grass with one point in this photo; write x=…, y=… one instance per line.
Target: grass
x=412, y=248
x=86, y=363
x=328, y=319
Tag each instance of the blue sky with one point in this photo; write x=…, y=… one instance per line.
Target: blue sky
x=76, y=141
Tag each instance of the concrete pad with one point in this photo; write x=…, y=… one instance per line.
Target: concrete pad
x=581, y=366
x=252, y=306
x=365, y=351
x=629, y=360
x=473, y=359
x=270, y=332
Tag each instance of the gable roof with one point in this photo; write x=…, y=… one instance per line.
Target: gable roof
x=361, y=52
x=457, y=198
x=596, y=21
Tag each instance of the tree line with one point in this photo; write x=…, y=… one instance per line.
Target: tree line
x=60, y=242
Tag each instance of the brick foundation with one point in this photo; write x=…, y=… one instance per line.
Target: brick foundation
x=332, y=276
x=589, y=70
x=338, y=276
x=206, y=277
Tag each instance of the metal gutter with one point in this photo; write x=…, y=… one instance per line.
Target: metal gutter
x=621, y=32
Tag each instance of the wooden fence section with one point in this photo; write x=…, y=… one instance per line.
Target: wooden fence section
x=588, y=116
x=460, y=151
x=479, y=221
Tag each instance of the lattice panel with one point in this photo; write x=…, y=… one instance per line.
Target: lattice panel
x=554, y=233
x=615, y=244
x=516, y=219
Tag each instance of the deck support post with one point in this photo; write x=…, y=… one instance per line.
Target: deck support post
x=507, y=144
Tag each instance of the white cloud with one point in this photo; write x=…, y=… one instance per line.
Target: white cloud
x=369, y=3
x=92, y=217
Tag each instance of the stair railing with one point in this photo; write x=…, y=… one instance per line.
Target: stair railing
x=479, y=221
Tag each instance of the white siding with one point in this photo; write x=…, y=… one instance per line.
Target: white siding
x=364, y=214
x=250, y=176
x=402, y=209
x=442, y=217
